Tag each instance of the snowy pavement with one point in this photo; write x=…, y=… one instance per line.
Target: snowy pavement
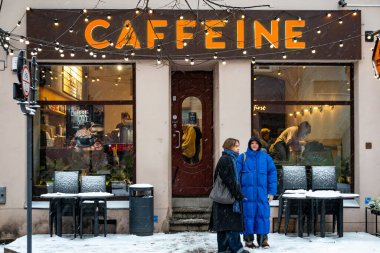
x=193, y=242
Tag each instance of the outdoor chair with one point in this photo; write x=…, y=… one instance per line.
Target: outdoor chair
x=292, y=178
x=64, y=182
x=91, y=206
x=325, y=178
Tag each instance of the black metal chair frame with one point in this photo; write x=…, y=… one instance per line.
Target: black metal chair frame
x=95, y=206
x=293, y=206
x=69, y=184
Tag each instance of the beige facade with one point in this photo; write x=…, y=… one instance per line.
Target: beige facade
x=232, y=94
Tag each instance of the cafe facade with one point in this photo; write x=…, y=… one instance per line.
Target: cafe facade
x=160, y=89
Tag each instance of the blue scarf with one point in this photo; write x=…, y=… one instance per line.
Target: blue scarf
x=234, y=155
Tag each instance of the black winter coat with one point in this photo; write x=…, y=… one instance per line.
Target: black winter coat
x=222, y=217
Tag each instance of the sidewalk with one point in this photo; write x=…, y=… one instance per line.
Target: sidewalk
x=193, y=243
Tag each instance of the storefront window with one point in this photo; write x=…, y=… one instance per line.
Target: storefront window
x=85, y=123
x=302, y=113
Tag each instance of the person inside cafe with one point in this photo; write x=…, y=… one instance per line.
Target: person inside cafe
x=288, y=146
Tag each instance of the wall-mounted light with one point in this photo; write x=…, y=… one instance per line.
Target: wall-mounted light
x=368, y=36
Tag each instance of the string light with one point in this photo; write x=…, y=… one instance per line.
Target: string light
x=127, y=26
x=192, y=61
x=242, y=16
x=328, y=14
x=150, y=11
x=109, y=17
x=253, y=60
x=224, y=61
x=27, y=8
x=19, y=23
x=181, y=17
x=284, y=56
x=7, y=37
x=126, y=57
x=184, y=43
x=159, y=60
x=215, y=55
x=61, y=50
x=94, y=55
x=104, y=56
x=271, y=45
x=158, y=48
x=355, y=13
x=111, y=43
x=340, y=43
x=279, y=73
x=6, y=45
x=71, y=30
x=56, y=22
x=299, y=19
x=244, y=52
x=84, y=10
x=226, y=20
x=91, y=53
x=11, y=52
x=86, y=48
x=56, y=42
x=119, y=67
x=137, y=11
x=295, y=39
x=187, y=57
x=87, y=18
x=206, y=31
x=22, y=39
x=313, y=51
x=340, y=21
x=72, y=54
x=319, y=30
x=62, y=55
x=27, y=42
x=133, y=52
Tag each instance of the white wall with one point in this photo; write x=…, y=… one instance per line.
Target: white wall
x=234, y=96
x=153, y=162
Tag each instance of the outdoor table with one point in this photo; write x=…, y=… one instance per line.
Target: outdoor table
x=97, y=198
x=322, y=196
x=55, y=201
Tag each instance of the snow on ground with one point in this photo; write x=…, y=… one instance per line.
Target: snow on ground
x=193, y=242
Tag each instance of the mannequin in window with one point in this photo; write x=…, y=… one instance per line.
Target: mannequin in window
x=125, y=129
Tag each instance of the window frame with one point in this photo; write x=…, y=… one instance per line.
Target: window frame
x=97, y=102
x=349, y=103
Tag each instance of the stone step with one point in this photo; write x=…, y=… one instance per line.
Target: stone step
x=191, y=213
x=182, y=225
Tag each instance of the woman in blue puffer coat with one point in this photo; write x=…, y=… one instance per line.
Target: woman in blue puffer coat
x=258, y=178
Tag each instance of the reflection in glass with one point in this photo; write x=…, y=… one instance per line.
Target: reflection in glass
x=192, y=130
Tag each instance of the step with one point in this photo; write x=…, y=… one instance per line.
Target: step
x=182, y=225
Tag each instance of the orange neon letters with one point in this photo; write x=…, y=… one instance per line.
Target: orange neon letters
x=127, y=37
x=290, y=34
x=240, y=33
x=260, y=31
x=152, y=34
x=212, y=34
x=88, y=34
x=181, y=34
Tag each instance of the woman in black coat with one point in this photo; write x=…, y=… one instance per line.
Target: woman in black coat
x=227, y=219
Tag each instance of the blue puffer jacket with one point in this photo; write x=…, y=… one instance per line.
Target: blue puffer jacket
x=258, y=179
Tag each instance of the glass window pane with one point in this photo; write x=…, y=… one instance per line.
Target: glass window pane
x=301, y=83
x=94, y=139
x=86, y=83
x=284, y=130
x=192, y=130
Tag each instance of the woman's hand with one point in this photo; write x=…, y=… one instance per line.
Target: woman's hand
x=270, y=198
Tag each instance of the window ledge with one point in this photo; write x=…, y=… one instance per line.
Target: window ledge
x=347, y=203
x=112, y=204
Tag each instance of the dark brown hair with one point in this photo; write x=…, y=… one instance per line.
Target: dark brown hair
x=230, y=143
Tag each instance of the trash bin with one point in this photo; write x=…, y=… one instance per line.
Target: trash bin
x=141, y=209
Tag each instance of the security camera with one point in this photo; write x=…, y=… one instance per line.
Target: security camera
x=342, y=3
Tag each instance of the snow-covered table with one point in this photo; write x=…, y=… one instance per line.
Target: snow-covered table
x=319, y=198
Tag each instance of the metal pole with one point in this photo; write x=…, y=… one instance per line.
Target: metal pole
x=29, y=174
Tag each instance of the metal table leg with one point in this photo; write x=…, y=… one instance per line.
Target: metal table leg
x=340, y=218
x=323, y=218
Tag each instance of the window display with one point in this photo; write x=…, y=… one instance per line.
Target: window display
x=304, y=115
x=91, y=136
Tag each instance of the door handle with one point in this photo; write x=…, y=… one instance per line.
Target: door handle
x=179, y=139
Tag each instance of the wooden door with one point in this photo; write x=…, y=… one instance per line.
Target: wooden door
x=192, y=133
